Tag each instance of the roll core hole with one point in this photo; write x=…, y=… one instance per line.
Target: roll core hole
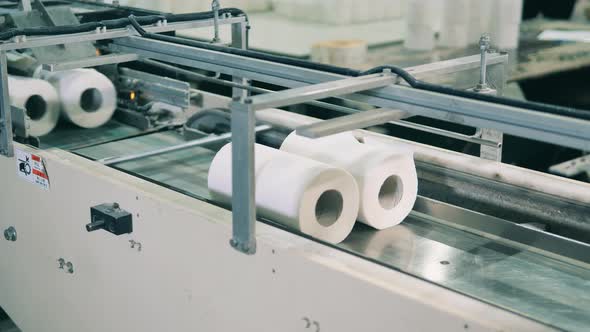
x=91, y=100
x=35, y=106
x=329, y=207
x=391, y=192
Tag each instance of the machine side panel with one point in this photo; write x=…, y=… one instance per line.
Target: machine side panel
x=177, y=272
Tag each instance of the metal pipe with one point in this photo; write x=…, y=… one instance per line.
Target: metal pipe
x=484, y=46
x=183, y=146
x=215, y=6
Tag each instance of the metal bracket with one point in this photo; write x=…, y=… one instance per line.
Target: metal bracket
x=20, y=122
x=6, y=148
x=572, y=168
x=90, y=62
x=359, y=120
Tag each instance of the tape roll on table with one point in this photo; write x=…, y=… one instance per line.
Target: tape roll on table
x=386, y=179
x=300, y=193
x=343, y=53
x=88, y=98
x=39, y=100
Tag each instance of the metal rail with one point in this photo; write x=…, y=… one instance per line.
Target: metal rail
x=535, y=125
x=192, y=144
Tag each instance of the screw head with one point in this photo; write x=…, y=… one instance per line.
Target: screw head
x=484, y=41
x=69, y=267
x=10, y=234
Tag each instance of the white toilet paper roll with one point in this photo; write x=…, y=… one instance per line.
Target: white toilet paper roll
x=309, y=196
x=39, y=100
x=505, y=36
x=454, y=30
x=509, y=11
x=419, y=37
x=422, y=12
x=386, y=179
x=88, y=98
x=455, y=36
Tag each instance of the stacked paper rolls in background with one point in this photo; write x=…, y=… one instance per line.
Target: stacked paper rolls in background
x=88, y=98
x=338, y=12
x=315, y=198
x=387, y=179
x=505, y=23
x=40, y=101
x=454, y=31
x=422, y=18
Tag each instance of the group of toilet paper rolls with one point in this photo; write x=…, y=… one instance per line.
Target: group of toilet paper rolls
x=462, y=22
x=320, y=187
x=84, y=97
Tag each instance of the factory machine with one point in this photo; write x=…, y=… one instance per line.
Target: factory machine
x=113, y=228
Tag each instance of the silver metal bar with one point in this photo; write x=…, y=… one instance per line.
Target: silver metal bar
x=6, y=148
x=446, y=133
x=32, y=42
x=215, y=6
x=91, y=62
x=243, y=182
x=319, y=91
x=507, y=231
x=243, y=159
x=239, y=35
x=451, y=66
x=362, y=119
x=196, y=143
x=540, y=126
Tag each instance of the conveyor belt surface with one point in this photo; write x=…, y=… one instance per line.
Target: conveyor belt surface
x=519, y=279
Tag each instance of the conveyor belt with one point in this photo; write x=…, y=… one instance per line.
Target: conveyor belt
x=515, y=277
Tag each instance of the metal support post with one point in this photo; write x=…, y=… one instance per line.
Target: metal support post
x=488, y=152
x=243, y=184
x=239, y=36
x=243, y=122
x=215, y=6
x=6, y=148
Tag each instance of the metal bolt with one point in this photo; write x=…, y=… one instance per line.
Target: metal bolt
x=69, y=267
x=135, y=244
x=484, y=46
x=10, y=234
x=61, y=263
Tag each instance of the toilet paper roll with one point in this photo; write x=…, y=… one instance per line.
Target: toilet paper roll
x=456, y=12
x=508, y=11
x=455, y=36
x=88, y=98
x=479, y=21
x=39, y=100
x=505, y=36
x=454, y=30
x=300, y=193
x=386, y=179
x=343, y=53
x=419, y=37
x=422, y=12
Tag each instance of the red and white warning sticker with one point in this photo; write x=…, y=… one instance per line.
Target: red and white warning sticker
x=30, y=166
